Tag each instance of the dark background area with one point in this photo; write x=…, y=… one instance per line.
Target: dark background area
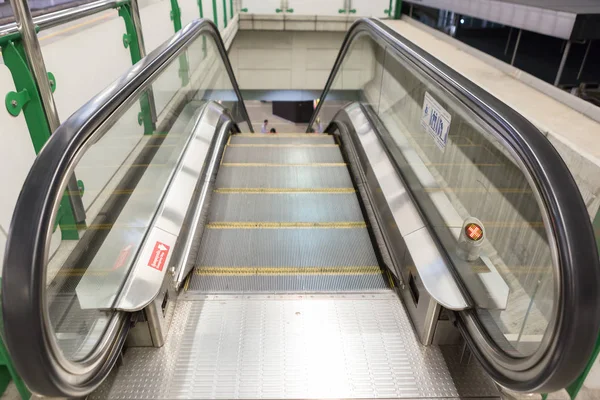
x=538, y=54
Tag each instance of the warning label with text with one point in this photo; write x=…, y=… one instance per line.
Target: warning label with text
x=159, y=256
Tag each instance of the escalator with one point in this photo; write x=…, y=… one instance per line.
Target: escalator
x=429, y=222
x=283, y=202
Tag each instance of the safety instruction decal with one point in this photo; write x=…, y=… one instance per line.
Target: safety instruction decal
x=159, y=256
x=436, y=121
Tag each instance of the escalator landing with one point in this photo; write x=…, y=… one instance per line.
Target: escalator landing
x=358, y=346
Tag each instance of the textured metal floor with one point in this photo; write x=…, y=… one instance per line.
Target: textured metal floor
x=285, y=207
x=327, y=153
x=283, y=177
x=285, y=218
x=294, y=347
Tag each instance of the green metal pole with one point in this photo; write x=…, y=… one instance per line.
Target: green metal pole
x=7, y=367
x=27, y=98
x=398, y=9
x=230, y=9
x=14, y=59
x=574, y=388
x=215, y=17
x=224, y=13
x=130, y=40
x=203, y=37
x=183, y=61
x=176, y=15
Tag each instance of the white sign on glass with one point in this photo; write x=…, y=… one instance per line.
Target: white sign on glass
x=436, y=121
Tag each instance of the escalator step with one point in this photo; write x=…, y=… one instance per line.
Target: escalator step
x=285, y=217
x=283, y=155
x=297, y=177
x=285, y=207
x=280, y=247
x=286, y=283
x=276, y=139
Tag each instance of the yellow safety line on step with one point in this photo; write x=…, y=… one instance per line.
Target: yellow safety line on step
x=390, y=279
x=290, y=145
x=246, y=271
x=278, y=225
x=187, y=283
x=270, y=135
x=283, y=193
x=283, y=165
x=516, y=270
x=285, y=190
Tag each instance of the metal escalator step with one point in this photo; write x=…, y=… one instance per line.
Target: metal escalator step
x=286, y=283
x=285, y=190
x=289, y=134
x=285, y=207
x=283, y=145
x=283, y=177
x=279, y=225
x=276, y=139
x=283, y=155
x=278, y=271
x=312, y=247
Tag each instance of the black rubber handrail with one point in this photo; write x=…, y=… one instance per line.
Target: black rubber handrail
x=28, y=332
x=567, y=346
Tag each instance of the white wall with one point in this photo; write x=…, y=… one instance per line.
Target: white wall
x=314, y=8
x=157, y=26
x=285, y=60
x=189, y=11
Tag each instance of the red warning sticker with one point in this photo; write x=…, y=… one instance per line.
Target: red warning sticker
x=159, y=256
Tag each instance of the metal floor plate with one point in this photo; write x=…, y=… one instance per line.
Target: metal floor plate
x=283, y=177
x=276, y=139
x=285, y=207
x=283, y=155
x=294, y=347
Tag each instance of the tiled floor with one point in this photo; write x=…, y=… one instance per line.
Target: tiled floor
x=260, y=111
